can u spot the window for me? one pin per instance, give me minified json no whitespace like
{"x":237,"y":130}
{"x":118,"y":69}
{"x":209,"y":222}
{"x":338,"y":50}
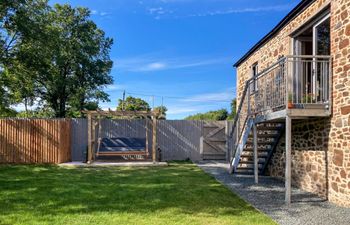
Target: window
{"x":255,"y":72}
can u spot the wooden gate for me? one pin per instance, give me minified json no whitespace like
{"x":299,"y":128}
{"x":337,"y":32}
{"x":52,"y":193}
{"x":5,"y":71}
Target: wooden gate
{"x":214,"y":141}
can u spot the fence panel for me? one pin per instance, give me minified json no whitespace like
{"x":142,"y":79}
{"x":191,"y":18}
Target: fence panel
{"x":177,"y":139}
{"x":35,"y":140}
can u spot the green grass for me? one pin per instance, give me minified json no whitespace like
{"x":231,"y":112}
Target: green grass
{"x":178,"y":194}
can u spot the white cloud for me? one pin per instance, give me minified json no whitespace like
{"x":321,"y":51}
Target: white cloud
{"x":99,"y":13}
{"x":115,"y":87}
{"x":225,"y":96}
{"x":244,"y":10}
{"x":159,"y":11}
{"x":153,"y":66}
{"x":148,"y":63}
{"x":163,"y":9}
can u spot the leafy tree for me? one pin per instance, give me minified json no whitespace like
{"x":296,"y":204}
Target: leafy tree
{"x":162,"y":110}
{"x":37,"y":113}
{"x":233,"y":109}
{"x":60,"y":57}
{"x":221,"y":114}
{"x":12,"y":21}
{"x":133,"y":104}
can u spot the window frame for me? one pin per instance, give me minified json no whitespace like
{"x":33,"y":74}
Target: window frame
{"x":255,"y":73}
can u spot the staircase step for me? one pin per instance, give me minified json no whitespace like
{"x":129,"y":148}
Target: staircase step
{"x":259,"y":150}
{"x":251,"y":162}
{"x":268,"y":128}
{"x":265,"y":135}
{"x":249,"y":166}
{"x":249,"y":142}
{"x":251,"y":156}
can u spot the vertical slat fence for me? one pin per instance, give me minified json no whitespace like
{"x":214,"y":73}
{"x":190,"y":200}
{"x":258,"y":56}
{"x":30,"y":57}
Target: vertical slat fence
{"x":25,"y":141}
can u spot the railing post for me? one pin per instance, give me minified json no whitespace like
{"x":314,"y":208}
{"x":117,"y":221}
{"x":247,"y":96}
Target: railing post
{"x":248,"y":100}
{"x":288,"y":159}
{"x":255,"y":141}
{"x":330,"y":86}
{"x":286,"y":78}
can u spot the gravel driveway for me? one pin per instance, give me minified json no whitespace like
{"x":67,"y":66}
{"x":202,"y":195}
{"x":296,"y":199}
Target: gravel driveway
{"x":268,"y":197}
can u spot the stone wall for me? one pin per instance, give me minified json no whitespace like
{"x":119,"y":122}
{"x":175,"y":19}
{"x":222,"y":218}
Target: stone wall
{"x":310,"y":150}
{"x":321,"y":163}
{"x":339,"y":146}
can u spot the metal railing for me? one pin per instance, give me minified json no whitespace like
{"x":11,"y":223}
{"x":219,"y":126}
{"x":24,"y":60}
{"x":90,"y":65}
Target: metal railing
{"x":291,"y":82}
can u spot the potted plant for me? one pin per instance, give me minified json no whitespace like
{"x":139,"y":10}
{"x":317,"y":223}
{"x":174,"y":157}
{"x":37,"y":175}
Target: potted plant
{"x":290,"y":101}
{"x":307,"y":98}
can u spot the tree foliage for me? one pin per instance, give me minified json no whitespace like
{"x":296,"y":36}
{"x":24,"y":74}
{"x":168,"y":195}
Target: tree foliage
{"x":162,"y":110}
{"x":233,"y":113}
{"x":220,"y":114}
{"x":133,"y":104}
{"x":59,"y":57}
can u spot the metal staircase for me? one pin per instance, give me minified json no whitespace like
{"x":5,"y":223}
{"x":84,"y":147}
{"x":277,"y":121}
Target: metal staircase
{"x":269,"y":135}
{"x":279,"y":92}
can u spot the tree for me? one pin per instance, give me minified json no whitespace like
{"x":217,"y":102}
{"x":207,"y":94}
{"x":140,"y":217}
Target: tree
{"x":162,"y":110}
{"x":15,"y":23}
{"x":233,"y":109}
{"x":133,"y":104}
{"x":63,"y":59}
{"x":79,"y":63}
{"x":220,"y":114}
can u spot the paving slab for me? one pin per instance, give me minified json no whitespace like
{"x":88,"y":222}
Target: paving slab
{"x":268,"y":196}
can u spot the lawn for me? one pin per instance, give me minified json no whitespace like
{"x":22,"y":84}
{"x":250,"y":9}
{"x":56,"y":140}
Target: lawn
{"x":180,"y":193}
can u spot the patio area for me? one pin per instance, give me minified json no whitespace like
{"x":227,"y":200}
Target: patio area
{"x":268,"y":197}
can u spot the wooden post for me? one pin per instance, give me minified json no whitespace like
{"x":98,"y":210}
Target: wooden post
{"x":256,"y":165}
{"x":288,"y":159}
{"x":227,"y":146}
{"x":89,"y":152}
{"x":147,"y":148}
{"x":201,"y":150}
{"x":154,"y":140}
{"x":93,"y":138}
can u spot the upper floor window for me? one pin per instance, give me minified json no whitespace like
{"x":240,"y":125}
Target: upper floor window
{"x":255,"y":72}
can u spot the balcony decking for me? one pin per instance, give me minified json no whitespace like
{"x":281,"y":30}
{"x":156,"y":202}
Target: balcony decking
{"x":296,"y":113}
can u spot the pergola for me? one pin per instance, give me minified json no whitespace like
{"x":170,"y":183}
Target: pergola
{"x":95,"y":116}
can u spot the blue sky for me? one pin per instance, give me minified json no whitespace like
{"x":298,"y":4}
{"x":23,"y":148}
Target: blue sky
{"x":182,"y":50}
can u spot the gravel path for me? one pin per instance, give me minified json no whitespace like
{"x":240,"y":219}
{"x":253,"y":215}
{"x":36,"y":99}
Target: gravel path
{"x":268,"y":197}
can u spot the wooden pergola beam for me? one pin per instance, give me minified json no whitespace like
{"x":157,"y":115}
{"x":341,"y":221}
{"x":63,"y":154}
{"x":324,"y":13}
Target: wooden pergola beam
{"x":121,"y":113}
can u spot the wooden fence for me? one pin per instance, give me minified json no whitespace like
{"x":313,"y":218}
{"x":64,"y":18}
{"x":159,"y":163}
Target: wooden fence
{"x":62,"y":140}
{"x":35,"y":140}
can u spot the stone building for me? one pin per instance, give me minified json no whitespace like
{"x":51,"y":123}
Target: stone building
{"x":293,"y":88}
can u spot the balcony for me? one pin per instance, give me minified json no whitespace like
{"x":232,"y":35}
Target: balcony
{"x":298,"y":86}
{"x":295,"y":87}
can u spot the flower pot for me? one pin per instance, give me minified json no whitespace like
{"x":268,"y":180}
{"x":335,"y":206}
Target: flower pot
{"x":290,"y":105}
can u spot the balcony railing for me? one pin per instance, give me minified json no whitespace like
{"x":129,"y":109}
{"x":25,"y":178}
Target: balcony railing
{"x":293,"y":82}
